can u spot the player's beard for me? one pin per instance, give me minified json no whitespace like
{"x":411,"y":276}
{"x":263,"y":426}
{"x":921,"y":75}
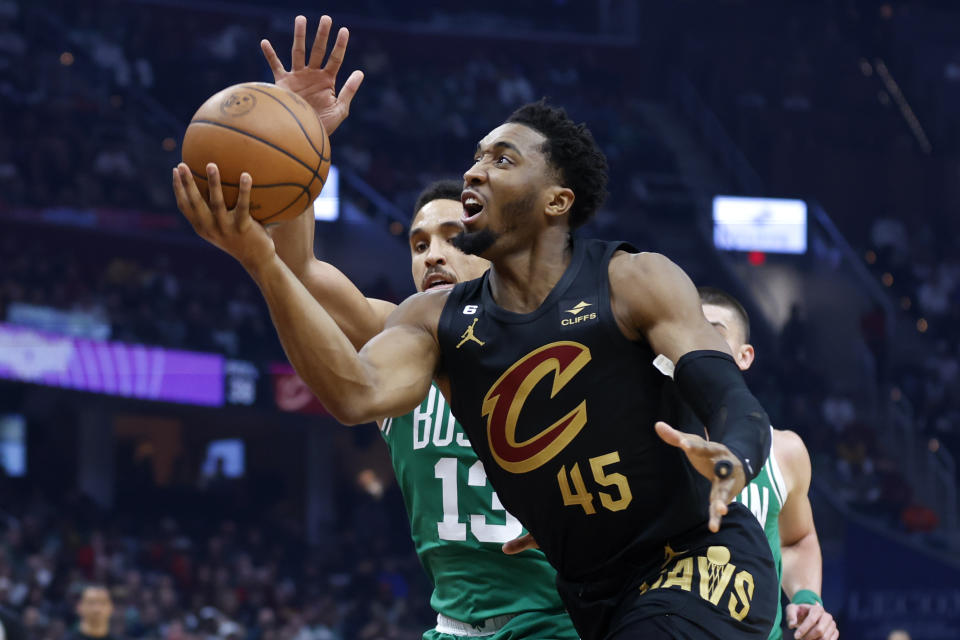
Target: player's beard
{"x":475,"y":243}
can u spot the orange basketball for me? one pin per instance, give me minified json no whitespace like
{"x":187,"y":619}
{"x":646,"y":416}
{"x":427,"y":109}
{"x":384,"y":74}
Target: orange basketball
{"x":270,"y":133}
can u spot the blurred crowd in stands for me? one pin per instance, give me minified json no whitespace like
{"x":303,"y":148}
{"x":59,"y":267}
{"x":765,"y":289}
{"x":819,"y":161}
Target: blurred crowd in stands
{"x":142,"y":296}
{"x":183,"y":576}
{"x":111,"y":109}
{"x":93,"y":104}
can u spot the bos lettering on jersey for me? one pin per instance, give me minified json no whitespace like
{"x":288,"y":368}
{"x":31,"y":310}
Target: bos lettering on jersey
{"x":503,"y":405}
{"x":439,"y":432}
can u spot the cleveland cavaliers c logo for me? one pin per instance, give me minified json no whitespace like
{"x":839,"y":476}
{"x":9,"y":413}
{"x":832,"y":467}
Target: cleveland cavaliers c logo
{"x":506,"y":398}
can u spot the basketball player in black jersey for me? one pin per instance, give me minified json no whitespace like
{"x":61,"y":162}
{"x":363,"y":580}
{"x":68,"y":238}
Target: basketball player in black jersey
{"x":549,"y":364}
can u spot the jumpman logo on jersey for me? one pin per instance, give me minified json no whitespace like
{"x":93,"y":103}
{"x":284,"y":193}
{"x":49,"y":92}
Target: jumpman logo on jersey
{"x":467,"y":335}
{"x":669,"y":554}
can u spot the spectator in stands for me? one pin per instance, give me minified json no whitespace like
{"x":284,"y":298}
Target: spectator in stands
{"x":94,"y":609}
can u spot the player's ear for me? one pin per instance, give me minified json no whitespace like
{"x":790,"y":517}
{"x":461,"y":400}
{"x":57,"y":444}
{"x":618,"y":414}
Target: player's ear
{"x":745,"y":356}
{"x":561,"y":200}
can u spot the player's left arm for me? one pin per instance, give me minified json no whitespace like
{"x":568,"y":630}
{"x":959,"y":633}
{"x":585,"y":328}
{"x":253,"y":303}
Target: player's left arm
{"x":654,"y":299}
{"x":799,"y":545}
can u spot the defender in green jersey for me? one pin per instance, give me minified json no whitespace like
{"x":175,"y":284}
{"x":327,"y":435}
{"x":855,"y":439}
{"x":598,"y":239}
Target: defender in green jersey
{"x":459,"y":527}
{"x":778,"y":495}
{"x":457,"y":521}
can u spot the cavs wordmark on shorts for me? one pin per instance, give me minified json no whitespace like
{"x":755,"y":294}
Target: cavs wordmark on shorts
{"x":711,"y":576}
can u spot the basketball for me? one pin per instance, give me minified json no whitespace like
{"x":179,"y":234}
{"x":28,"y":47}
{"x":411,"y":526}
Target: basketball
{"x":270,"y":133}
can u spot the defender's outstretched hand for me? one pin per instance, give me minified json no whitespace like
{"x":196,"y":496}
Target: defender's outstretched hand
{"x":233,"y":230}
{"x":315,"y":82}
{"x":705,"y":456}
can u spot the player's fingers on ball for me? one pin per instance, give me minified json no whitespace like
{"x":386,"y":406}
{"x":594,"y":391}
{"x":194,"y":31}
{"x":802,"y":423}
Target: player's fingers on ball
{"x":298,"y":52}
{"x":194,"y":196}
{"x":218,"y":208}
{"x":242,"y":210}
{"x":215,"y":189}
{"x":319,"y":49}
{"x":183,"y":202}
{"x":273,"y":60}
{"x":339,"y":51}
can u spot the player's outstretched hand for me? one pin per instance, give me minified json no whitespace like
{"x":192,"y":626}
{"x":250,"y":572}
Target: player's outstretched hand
{"x":522,"y":543}
{"x":315,"y":82}
{"x":233,"y":230}
{"x":704,"y":456}
{"x":811,"y":622}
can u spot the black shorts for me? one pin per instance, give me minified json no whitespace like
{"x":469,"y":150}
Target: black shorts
{"x":701,"y":585}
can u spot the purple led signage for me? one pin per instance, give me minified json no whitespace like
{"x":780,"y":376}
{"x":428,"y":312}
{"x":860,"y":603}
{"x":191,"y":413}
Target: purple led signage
{"x":113,"y":368}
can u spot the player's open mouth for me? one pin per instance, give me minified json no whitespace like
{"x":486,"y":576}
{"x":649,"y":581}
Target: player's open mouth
{"x":438,"y":281}
{"x":472,"y":206}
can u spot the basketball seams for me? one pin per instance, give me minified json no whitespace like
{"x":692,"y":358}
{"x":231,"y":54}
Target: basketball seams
{"x":253,"y":136}
{"x":321,"y":159}
{"x":279,"y":137}
{"x":305,"y":193}
{"x":236,"y":185}
{"x":299,"y":124}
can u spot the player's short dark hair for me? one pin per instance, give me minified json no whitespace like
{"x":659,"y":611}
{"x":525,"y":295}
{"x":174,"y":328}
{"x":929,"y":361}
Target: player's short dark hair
{"x":439,"y":190}
{"x":720,"y":298}
{"x":571,"y":150}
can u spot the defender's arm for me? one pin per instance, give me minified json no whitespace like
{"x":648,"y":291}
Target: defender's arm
{"x":799,"y":545}
{"x":390,"y":375}
{"x":359,"y":317}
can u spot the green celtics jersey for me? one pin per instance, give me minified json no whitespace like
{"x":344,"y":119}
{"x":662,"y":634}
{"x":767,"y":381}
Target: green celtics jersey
{"x":764,"y":497}
{"x":458,"y":523}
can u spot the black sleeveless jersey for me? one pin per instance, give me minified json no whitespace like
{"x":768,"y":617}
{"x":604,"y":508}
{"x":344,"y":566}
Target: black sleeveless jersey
{"x":560,"y":406}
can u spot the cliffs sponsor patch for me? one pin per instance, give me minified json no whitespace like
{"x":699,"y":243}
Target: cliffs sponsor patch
{"x":578,"y":311}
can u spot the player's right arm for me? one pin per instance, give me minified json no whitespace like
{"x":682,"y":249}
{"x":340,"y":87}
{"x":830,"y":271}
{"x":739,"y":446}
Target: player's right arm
{"x":392,"y":373}
{"x":359,"y":317}
{"x":653,"y":299}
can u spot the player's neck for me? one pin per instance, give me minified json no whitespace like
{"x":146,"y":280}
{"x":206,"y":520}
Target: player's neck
{"x":522,"y":280}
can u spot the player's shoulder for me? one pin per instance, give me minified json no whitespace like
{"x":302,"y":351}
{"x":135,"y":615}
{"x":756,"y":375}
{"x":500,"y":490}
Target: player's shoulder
{"x":648,"y":286}
{"x":646,"y":270}
{"x":788,"y":443}
{"x":641,"y":261}
{"x":420,"y":309}
{"x":791,"y":454}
